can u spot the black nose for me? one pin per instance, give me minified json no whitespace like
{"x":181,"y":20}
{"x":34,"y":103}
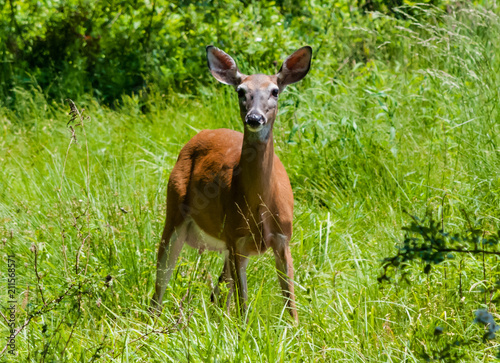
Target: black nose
{"x":254,"y":120}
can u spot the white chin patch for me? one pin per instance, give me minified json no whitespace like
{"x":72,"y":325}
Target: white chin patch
{"x":253,"y":129}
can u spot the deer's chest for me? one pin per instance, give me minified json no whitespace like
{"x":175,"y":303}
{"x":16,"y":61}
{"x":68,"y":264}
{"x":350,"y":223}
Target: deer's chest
{"x":245,"y":236}
{"x":197,"y":238}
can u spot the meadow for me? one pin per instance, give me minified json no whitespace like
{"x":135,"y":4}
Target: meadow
{"x":398,"y":118}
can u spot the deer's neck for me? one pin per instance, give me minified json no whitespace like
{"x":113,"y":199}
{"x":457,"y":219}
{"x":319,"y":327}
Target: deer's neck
{"x":256,"y":165}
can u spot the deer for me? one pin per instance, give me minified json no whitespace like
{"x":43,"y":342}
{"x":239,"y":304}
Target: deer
{"x":229,"y":191}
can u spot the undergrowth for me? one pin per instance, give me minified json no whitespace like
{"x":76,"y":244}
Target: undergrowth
{"x":412,"y":131}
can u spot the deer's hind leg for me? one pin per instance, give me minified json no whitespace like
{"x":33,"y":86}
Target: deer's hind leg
{"x":175,"y":231}
{"x":170,"y":247}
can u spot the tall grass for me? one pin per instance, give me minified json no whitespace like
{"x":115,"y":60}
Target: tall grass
{"x":417,"y":131}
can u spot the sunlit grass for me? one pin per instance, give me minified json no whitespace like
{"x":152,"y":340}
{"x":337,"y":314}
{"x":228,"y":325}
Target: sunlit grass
{"x":361,"y":147}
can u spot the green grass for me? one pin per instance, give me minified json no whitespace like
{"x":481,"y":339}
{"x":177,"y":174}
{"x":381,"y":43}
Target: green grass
{"x":362,"y":145}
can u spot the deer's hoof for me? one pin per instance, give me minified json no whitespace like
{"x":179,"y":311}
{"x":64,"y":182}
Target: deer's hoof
{"x":154,"y":308}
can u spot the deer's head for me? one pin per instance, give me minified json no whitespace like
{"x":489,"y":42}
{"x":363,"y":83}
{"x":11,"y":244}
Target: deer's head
{"x":258,"y":93}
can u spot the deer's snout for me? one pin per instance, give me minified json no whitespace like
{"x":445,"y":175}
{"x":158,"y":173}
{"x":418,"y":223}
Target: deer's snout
{"x":255,"y":120}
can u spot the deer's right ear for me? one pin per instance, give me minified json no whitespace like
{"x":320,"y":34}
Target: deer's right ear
{"x":223,"y":67}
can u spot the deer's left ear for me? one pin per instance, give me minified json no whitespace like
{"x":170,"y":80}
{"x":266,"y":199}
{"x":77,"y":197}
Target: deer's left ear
{"x":295,"y":67}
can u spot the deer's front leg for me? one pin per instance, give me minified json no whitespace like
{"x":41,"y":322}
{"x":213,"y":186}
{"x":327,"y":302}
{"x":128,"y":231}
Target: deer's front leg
{"x":284,"y":267}
{"x":238,"y":266}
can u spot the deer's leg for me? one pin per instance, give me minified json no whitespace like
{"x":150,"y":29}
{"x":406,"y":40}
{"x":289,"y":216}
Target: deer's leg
{"x":225,"y":277}
{"x":238,"y":267}
{"x":284,"y":267}
{"x":170,"y":247}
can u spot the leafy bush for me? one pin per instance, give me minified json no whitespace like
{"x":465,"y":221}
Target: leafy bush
{"x":110,"y":48}
{"x":432,"y":245}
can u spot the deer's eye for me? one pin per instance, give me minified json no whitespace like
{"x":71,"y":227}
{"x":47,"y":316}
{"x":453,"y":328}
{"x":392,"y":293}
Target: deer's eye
{"x":274,"y":92}
{"x":241,"y":93}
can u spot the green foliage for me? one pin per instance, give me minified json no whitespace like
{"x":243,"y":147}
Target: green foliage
{"x":432,"y":245}
{"x":116,"y":47}
{"x":398,"y":8}
{"x":110,"y":48}
{"x":399,"y":113}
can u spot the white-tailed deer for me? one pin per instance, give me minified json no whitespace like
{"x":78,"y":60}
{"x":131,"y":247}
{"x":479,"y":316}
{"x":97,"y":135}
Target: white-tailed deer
{"x":229,"y":191}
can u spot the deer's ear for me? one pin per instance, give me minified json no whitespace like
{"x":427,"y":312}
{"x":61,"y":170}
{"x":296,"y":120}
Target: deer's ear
{"x":223,"y":67}
{"x":295,"y":67}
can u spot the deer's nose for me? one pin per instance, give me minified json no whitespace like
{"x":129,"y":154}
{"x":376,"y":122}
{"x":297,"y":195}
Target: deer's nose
{"x":254,"y":120}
